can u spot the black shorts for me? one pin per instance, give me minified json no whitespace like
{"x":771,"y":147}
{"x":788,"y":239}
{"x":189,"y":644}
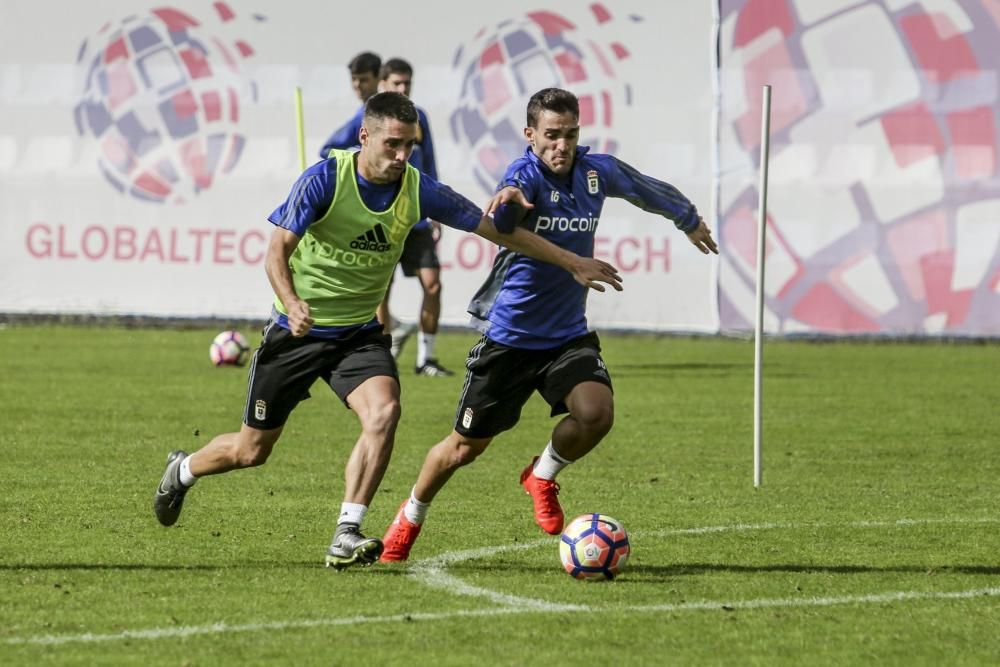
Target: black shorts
{"x":500,"y":381}
{"x":419,"y":251}
{"x":284,"y":368}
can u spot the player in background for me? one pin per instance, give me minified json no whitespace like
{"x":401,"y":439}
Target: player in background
{"x":533,"y":317}
{"x":364,"y":69}
{"x":336,"y":242}
{"x":420,"y":252}
{"x":420,"y":256}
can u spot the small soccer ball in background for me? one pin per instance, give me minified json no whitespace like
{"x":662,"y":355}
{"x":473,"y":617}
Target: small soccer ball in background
{"x":229,"y":348}
{"x":594,"y":546}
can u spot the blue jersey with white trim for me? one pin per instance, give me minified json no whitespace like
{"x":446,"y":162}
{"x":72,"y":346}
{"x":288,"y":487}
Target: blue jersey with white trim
{"x":529,"y":304}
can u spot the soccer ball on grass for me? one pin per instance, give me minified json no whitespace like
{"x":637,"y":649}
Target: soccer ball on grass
{"x":594,"y":547}
{"x":229,"y":348}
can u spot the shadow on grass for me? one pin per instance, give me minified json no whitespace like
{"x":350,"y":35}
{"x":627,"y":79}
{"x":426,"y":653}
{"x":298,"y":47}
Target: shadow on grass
{"x":686,"y":569}
{"x":193,"y":567}
{"x":636,"y":572}
{"x":703,"y":368}
{"x":684,"y":366}
{"x":646,"y":573}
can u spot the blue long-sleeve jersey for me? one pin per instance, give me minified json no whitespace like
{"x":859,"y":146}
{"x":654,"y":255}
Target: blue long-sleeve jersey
{"x":344,"y":137}
{"x":529,"y":304}
{"x":422,"y":157}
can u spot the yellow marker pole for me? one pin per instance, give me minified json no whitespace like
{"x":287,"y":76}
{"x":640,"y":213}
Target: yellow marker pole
{"x":300,"y":128}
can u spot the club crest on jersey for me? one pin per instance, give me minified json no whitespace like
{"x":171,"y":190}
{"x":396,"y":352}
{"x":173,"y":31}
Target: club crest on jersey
{"x":592,"y":183}
{"x":554,"y":197}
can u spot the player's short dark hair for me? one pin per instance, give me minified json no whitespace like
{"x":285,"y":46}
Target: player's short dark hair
{"x":552,"y":99}
{"x":365,"y":62}
{"x":382,"y":106}
{"x":395,"y":66}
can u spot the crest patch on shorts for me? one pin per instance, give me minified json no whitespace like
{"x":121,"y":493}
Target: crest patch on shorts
{"x":260,"y":410}
{"x":467,"y":418}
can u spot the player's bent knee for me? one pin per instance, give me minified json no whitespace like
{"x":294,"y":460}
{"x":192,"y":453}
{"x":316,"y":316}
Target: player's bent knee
{"x":467,"y":450}
{"x":252,"y":447}
{"x":382,"y":417}
{"x":463,"y":456}
{"x":254,"y":454}
{"x":597,"y":420}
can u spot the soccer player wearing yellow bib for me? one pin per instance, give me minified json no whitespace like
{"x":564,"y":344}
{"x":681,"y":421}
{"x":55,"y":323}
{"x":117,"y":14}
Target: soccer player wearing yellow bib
{"x":336,"y":241}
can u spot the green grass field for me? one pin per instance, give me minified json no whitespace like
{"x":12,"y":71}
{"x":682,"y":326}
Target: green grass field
{"x":875,"y":538}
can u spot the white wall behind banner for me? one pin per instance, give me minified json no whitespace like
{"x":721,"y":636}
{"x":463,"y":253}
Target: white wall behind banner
{"x":142,"y":145}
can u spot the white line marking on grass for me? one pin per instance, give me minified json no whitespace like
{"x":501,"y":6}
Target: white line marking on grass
{"x":432,"y":572}
{"x":226,"y":628}
{"x":743,"y":527}
{"x":706,"y":605}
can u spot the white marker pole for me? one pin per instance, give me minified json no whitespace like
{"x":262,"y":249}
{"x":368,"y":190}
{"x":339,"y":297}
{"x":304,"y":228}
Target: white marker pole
{"x":765,"y":145}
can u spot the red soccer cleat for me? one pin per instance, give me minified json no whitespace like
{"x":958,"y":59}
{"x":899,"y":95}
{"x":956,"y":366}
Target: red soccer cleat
{"x":544,"y":494}
{"x":399,"y":538}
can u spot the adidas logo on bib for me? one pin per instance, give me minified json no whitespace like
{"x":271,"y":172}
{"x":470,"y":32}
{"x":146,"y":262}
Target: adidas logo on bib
{"x":374,"y":240}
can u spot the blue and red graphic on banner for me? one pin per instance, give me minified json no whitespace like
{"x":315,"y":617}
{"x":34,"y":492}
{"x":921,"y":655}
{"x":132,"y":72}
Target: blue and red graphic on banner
{"x":162,"y":93}
{"x":884,"y":211}
{"x":506,"y":64}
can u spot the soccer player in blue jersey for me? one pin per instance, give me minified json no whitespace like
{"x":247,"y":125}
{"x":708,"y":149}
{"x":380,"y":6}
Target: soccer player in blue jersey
{"x":535,"y":334}
{"x":420,"y":256}
{"x":337,"y":239}
{"x":364,"y":69}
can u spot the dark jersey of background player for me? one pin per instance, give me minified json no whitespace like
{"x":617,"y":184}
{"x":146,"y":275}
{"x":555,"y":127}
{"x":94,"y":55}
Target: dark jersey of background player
{"x":528,"y":304}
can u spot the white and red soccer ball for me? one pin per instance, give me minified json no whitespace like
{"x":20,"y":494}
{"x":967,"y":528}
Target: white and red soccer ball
{"x":229,"y":348}
{"x":594,"y":546}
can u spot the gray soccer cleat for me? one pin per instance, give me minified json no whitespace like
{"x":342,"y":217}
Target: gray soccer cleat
{"x":350,"y":547}
{"x":169,"y":496}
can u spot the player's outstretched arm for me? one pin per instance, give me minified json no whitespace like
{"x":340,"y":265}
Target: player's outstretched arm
{"x":279,"y":251}
{"x":585,"y":270}
{"x":507,"y":196}
{"x":702,"y":239}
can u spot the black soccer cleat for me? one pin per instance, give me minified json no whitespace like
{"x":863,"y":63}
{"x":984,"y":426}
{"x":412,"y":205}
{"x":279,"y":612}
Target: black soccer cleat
{"x":169,"y":496}
{"x":432,"y":368}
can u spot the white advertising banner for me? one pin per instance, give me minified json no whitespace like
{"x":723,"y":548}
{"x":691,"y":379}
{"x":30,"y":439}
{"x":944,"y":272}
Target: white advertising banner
{"x":884,"y":190}
{"x":143,"y":145}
